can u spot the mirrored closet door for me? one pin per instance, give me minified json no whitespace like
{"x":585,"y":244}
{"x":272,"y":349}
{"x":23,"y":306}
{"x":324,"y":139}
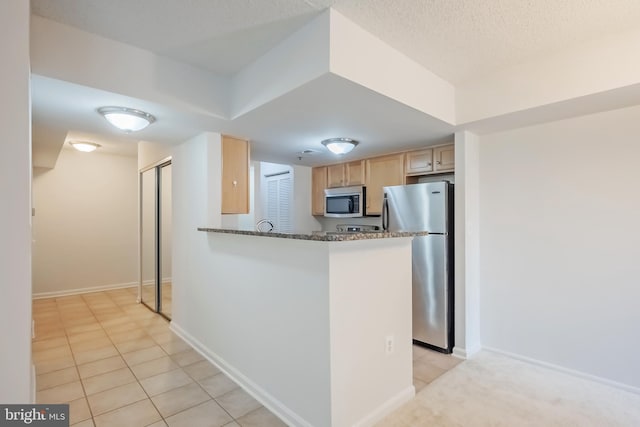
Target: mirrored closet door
{"x":155,"y":238}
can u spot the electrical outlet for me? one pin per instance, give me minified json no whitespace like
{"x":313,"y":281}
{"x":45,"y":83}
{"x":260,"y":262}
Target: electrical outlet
{"x":389,"y":344}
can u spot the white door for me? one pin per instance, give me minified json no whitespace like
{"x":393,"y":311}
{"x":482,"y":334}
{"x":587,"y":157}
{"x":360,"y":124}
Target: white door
{"x":279,"y":201}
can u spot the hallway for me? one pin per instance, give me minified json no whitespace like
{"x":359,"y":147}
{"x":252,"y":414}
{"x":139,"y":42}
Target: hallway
{"x":118,"y":364}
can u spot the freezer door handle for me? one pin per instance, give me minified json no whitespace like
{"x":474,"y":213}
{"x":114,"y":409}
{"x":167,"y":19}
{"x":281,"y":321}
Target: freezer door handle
{"x":385,"y":213}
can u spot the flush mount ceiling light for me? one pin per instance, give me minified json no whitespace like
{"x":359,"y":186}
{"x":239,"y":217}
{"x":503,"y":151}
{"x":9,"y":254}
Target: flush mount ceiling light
{"x":339,"y":145}
{"x":84,"y":146}
{"x":127,"y":119}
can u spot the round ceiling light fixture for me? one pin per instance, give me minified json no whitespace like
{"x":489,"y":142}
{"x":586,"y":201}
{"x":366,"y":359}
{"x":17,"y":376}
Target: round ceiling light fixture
{"x":339,"y":145}
{"x":84,"y":146}
{"x":127,"y":119}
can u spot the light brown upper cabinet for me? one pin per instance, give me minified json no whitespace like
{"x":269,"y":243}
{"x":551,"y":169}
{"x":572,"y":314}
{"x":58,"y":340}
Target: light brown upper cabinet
{"x":444,"y":158}
{"x":318,"y":184}
{"x":419,"y":162}
{"x":336,"y":176}
{"x":355,"y":173}
{"x":380,"y":172}
{"x":431,"y":160}
{"x":345,"y":174}
{"x":235,"y":175}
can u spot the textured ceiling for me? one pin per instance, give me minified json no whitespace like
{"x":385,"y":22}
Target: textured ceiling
{"x":460,"y":39}
{"x":456,"y":39}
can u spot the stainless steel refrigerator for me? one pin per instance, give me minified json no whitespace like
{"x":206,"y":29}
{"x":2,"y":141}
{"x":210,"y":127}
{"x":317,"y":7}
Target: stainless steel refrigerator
{"x":427,"y":207}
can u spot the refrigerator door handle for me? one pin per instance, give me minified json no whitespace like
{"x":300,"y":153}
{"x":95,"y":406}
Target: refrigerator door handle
{"x":385,"y":213}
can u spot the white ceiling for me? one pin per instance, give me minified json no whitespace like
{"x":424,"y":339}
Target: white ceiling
{"x":219,"y":35}
{"x":281,"y":129}
{"x":457,"y":40}
{"x":461,"y":39}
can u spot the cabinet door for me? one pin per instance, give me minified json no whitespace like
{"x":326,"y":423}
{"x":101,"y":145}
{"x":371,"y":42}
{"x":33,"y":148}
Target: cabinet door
{"x":235,"y":175}
{"x":419,"y":162}
{"x":318,"y":184}
{"x":335,"y":176}
{"x":381,"y":172}
{"x":355,"y":173}
{"x":444,"y":158}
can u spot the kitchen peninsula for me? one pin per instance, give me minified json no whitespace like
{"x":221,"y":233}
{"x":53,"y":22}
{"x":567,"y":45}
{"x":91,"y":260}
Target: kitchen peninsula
{"x":316,"y":326}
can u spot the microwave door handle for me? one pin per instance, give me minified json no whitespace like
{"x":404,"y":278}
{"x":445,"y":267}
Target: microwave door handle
{"x":385,"y":213}
{"x":350,"y":205}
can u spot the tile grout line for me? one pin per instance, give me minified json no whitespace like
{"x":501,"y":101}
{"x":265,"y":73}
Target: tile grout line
{"x":66,"y":334}
{"x":93,"y":416}
{"x":128,"y":367}
{"x":138,"y":380}
{"x":86,"y":396}
{"x":197,"y":382}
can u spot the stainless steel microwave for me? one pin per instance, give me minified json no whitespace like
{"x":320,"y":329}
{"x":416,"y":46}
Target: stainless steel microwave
{"x":345,"y":202}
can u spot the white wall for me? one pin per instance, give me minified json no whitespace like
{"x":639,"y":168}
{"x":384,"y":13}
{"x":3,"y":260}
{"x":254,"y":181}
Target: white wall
{"x":67,"y":53}
{"x":466,"y":242}
{"x":303,"y":221}
{"x":298,"y":59}
{"x":217,"y":299}
{"x":383,"y":69}
{"x":197,"y":202}
{"x":86,"y":223}
{"x":559,"y":244}
{"x":15,"y":214}
{"x":150,"y":153}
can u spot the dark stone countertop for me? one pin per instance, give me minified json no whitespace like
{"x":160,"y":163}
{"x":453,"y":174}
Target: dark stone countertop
{"x":320,"y":236}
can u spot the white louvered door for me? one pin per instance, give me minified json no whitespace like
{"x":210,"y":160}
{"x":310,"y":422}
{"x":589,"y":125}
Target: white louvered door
{"x":279,"y":192}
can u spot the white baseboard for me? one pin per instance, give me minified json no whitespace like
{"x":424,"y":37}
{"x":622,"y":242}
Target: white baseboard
{"x":276,"y":406}
{"x":388,"y":407}
{"x":67,"y":292}
{"x":464,"y":353}
{"x":564,"y":370}
{"x":153,"y":282}
{"x":267,"y":400}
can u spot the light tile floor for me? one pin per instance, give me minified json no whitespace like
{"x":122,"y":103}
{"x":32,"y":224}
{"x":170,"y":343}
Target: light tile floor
{"x":117,"y":364}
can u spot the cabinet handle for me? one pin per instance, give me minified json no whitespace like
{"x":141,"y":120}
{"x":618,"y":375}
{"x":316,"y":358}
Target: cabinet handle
{"x":235,"y":182}
{"x":428,"y":164}
{"x":438,"y":162}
